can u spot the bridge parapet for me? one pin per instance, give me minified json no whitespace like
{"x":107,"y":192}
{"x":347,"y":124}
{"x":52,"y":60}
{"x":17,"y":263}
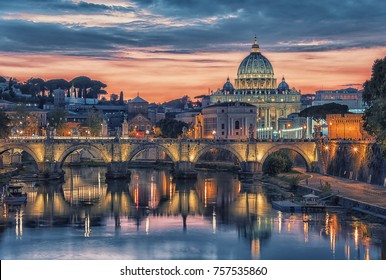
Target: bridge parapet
{"x":51,"y":153}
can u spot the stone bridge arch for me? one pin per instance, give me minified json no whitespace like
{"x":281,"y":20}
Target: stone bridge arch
{"x":228,"y":148}
{"x":38,"y":157}
{"x":78,"y":147}
{"x":295,"y":148}
{"x":142,"y":147}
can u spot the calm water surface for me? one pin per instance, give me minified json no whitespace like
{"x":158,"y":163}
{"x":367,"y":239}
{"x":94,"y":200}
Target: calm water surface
{"x":153,"y":217}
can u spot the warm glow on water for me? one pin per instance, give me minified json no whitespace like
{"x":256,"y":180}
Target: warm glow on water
{"x":154,"y":217}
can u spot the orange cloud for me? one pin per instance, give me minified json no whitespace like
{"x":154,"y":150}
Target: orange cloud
{"x":160,"y":77}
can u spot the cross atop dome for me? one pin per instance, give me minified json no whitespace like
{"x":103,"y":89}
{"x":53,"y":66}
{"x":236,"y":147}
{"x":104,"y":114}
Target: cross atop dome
{"x":255,"y":46}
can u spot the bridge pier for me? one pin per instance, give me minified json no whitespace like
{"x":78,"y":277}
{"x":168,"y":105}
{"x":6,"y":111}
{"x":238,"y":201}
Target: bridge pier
{"x":50,"y":171}
{"x":184,"y":170}
{"x":117,"y":170}
{"x":250,"y":168}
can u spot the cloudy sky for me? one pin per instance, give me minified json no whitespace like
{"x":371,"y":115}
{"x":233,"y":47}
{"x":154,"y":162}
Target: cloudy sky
{"x":164,"y":49}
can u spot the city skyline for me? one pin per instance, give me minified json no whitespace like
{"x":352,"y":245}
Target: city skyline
{"x":166,"y":49}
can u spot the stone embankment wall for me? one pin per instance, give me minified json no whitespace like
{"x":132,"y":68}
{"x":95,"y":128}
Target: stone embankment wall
{"x":357,"y":161}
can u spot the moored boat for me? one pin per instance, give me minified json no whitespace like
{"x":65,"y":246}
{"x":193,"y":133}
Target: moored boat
{"x":14,"y":195}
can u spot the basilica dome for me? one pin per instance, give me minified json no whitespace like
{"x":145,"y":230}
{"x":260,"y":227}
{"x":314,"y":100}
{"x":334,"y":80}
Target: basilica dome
{"x":255,"y":73}
{"x":255,"y":63}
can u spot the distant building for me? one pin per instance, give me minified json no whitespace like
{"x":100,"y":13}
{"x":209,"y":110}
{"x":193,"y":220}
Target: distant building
{"x":59,"y":97}
{"x":156,"y":113}
{"x":346,"y":126}
{"x":139,"y":126}
{"x":228,"y":120}
{"x":307,"y":100}
{"x":188,"y":116}
{"x":38,"y":121}
{"x":137,"y":105}
{"x":348,"y":96}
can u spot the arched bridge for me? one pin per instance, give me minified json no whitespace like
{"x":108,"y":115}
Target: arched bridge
{"x":50,"y":153}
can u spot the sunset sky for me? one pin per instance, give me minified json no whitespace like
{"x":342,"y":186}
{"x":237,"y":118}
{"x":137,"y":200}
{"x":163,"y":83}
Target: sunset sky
{"x":165,"y":49}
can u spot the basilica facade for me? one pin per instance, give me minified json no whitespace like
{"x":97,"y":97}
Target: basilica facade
{"x":256,"y":84}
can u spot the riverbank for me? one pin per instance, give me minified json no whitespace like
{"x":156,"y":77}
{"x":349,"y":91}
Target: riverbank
{"x":352,"y":195}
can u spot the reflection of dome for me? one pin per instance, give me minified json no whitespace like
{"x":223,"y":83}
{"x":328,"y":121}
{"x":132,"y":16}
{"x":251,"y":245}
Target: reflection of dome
{"x":228,"y":87}
{"x":255,"y":63}
{"x":283,"y":86}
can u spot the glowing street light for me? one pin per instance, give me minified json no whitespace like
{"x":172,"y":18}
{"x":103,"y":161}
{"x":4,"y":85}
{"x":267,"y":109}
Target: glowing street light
{"x":214,"y":134}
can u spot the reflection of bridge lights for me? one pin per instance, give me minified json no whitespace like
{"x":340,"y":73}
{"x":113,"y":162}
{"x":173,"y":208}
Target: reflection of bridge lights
{"x":87,"y":228}
{"x":356,"y":238}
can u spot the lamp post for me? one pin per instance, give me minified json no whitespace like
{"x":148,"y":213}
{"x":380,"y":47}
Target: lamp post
{"x":214,"y":134}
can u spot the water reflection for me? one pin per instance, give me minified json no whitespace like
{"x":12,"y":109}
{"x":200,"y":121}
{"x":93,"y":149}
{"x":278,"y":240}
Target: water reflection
{"x":155,"y":217}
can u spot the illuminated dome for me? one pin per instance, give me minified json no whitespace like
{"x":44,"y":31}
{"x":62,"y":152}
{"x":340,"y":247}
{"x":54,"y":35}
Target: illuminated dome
{"x":255,"y":63}
{"x":283,"y":86}
{"x":255,"y":73}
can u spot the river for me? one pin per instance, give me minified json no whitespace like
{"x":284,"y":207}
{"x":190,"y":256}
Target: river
{"x":151,"y":216}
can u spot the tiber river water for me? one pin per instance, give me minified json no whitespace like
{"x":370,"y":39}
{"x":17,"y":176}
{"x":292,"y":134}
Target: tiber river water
{"x":153,"y":217}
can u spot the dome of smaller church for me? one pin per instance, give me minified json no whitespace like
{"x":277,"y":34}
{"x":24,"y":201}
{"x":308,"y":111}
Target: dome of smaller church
{"x":283,"y":86}
{"x":228,"y":87}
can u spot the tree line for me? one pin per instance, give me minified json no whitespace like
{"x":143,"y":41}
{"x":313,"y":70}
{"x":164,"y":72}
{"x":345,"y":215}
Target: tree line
{"x":40,"y":91}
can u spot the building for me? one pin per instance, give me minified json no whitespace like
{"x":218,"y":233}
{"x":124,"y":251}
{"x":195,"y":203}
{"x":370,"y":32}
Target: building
{"x":256,"y":84}
{"x":137,"y":105}
{"x":188,"y":116}
{"x":28,"y":121}
{"x":227,"y":120}
{"x":346,"y":126}
{"x":59,"y":97}
{"x":139,"y":126}
{"x":348,"y":96}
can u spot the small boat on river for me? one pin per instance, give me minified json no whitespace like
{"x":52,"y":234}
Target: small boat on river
{"x":13,"y":194}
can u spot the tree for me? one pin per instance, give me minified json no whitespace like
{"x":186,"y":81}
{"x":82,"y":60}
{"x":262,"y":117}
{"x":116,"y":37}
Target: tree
{"x":277,"y":162}
{"x":121,"y":101}
{"x":319,"y":112}
{"x":88,"y":88}
{"x":170,"y":128}
{"x":53,"y":84}
{"x":57,"y":118}
{"x":81,"y":83}
{"x":93,"y":122}
{"x":36,"y":86}
{"x":374,"y":94}
{"x":179,"y":103}
{"x":4,"y":125}
{"x":2,"y":80}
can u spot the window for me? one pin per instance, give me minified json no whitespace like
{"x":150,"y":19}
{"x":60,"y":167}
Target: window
{"x":237,"y":125}
{"x":222,"y":111}
{"x":222,"y":133}
{"x":222,"y":126}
